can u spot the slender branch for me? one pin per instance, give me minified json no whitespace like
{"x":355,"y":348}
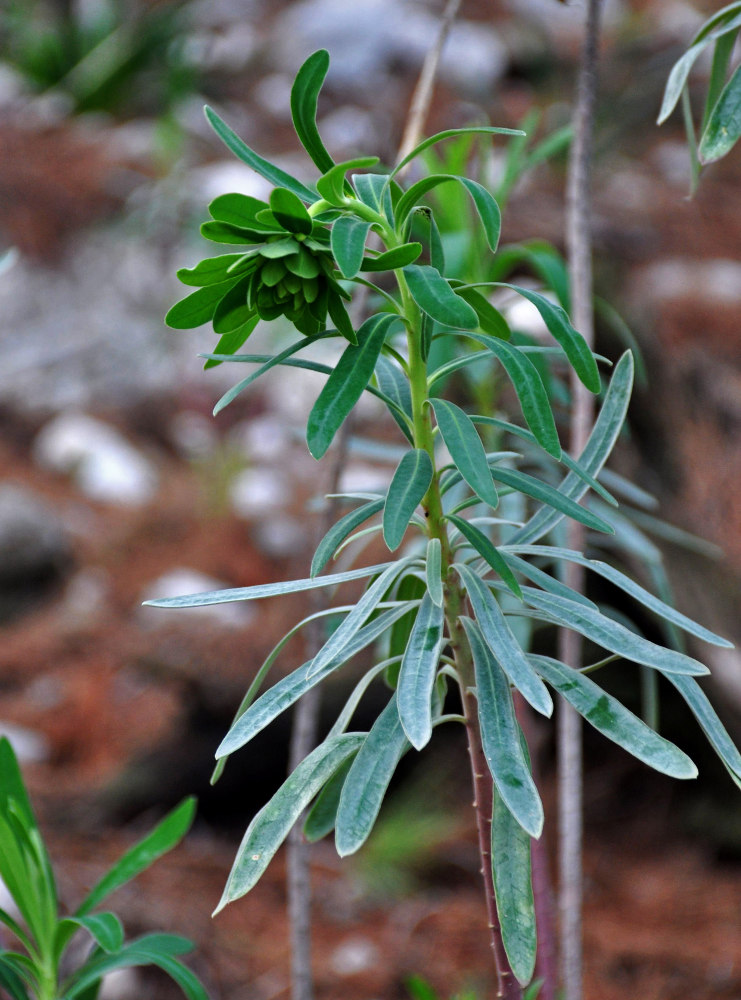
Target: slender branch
{"x":578,"y":239}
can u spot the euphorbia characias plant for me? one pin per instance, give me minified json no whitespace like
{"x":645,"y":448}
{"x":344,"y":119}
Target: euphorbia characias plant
{"x":444,"y":611}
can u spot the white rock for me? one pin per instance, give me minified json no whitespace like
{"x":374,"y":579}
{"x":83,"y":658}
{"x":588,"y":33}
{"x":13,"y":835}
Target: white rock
{"x":225,"y":176}
{"x":193,"y":434}
{"x":30,"y":747}
{"x":181,"y":581}
{"x":102,"y":462}
{"x":281,"y":536}
{"x":122,"y":984}
{"x":523,"y":316}
{"x":258,"y":491}
{"x":262,"y":439}
{"x":359,"y":477}
{"x":353,"y":956}
{"x":711,"y":281}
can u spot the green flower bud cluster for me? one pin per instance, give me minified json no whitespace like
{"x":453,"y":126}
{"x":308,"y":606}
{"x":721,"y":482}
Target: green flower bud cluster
{"x":288,"y":271}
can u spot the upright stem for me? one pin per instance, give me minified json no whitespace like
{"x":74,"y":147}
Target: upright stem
{"x":578,"y":238}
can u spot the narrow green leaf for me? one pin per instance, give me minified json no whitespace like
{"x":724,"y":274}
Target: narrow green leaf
{"x":10,"y":980}
{"x":465,"y":447}
{"x":488,"y":551}
{"x":224,"y":232}
{"x":677,"y":79}
{"x":577,"y":351}
{"x":410,"y":589}
{"x":233,"y":310}
{"x":232,"y":341}
{"x":341,"y":319}
{"x":601,"y":441}
{"x":528,"y":385}
{"x":513,"y":889}
{"x":711,"y":725}
{"x":400,"y":256}
{"x":544,"y":580}
{"x":288,"y":690}
{"x":271,"y":825}
{"x":323,"y":814}
{"x":168,"y":832}
{"x":290,"y":211}
{"x":348,"y":243}
{"x":500,"y":736}
{"x":644,"y":597}
{"x":332,"y":185}
{"x":304,"y":96}
{"x":611,"y":635}
{"x":339,"y":532}
{"x":237,"y":210}
{"x":447,"y":134}
{"x":395,"y":388}
{"x":724,"y":124}
{"x":613,"y":719}
{"x":368,"y":779}
{"x":547,"y":494}
{"x":502,"y":642}
{"x":722,"y":53}
{"x":263,"y":167}
{"x":355,"y":620}
{"x":152,"y":949}
{"x":212,"y":270}
{"x":407,"y":489}
{"x":105,"y":928}
{"x":418,"y":672}
{"x":436,"y":298}
{"x":346,"y":384}
{"x":263,"y":589}
{"x":374,"y":190}
{"x":433,"y":571}
{"x":484,"y":202}
{"x":491,"y":320}
{"x":198,"y":307}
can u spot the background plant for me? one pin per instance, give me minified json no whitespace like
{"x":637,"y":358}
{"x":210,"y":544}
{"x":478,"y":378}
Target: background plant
{"x":46,"y":968}
{"x":451,"y":616}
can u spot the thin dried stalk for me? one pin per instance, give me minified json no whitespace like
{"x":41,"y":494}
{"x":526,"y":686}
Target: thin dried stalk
{"x":579,"y":248}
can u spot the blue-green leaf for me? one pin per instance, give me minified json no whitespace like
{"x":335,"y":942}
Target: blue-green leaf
{"x":418,"y":671}
{"x":368,"y":779}
{"x":500,"y":736}
{"x":447,"y":134}
{"x":400,"y":256}
{"x":577,"y":351}
{"x":332,"y":185}
{"x":212,"y":270}
{"x":433,"y":571}
{"x":348,"y":243}
{"x":339,"y":532}
{"x":263,"y":167}
{"x":488,"y":551}
{"x":724,"y":124}
{"x":230,"y":342}
{"x":485,"y":203}
{"x":304,"y":96}
{"x":547,"y":494}
{"x":611,"y":635}
{"x":198,"y":307}
{"x":290,"y":211}
{"x":613,"y":719}
{"x":271,"y":825}
{"x":436,"y":298}
{"x":502,"y":642}
{"x":465,"y":447}
{"x":709,"y":721}
{"x":323,"y":814}
{"x":407,"y":489}
{"x":105,"y":928}
{"x":513,"y":889}
{"x":346,"y":383}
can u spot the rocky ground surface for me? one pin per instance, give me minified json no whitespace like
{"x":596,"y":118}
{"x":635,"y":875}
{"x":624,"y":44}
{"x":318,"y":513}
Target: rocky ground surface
{"x":116,"y":484}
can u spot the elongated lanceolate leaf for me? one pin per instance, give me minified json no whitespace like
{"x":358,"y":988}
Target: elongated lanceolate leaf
{"x":547,"y":494}
{"x":339,"y":532}
{"x":332,"y":185}
{"x":501,"y":641}
{"x":348,"y":243}
{"x":434,"y":296}
{"x":613,"y":719}
{"x":10,"y":980}
{"x":528,"y":385}
{"x":433,"y":571}
{"x":198,"y":307}
{"x":238,"y":210}
{"x":500,"y":736}
{"x":465,"y":447}
{"x":232,"y":341}
{"x":643,"y":596}
{"x":611,"y":635}
{"x":212,"y":270}
{"x":544,"y":580}
{"x":290,"y":211}
{"x":418,"y":672}
{"x":394,"y":386}
{"x":367,"y":780}
{"x":323,"y":813}
{"x":105,"y":928}
{"x":724,"y":124}
{"x":263,"y":589}
{"x":263,"y":167}
{"x":304,"y":96}
{"x":711,"y":725}
{"x":601,"y":441}
{"x":359,"y":615}
{"x":345,"y":385}
{"x":288,"y":690}
{"x":407,"y":253}
{"x":488,"y":551}
{"x":271,"y":825}
{"x":485,"y":203}
{"x":447,"y":134}
{"x":513,"y":888}
{"x":406,"y":491}
{"x":168,"y":832}
{"x":577,"y":351}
